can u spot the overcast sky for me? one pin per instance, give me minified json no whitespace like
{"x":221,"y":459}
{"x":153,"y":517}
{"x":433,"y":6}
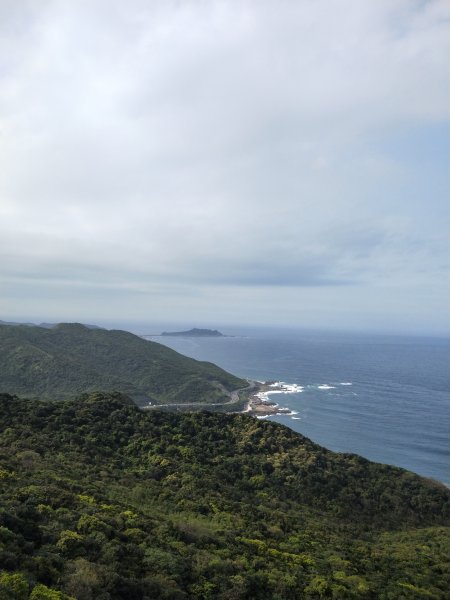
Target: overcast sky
{"x":210,"y":162}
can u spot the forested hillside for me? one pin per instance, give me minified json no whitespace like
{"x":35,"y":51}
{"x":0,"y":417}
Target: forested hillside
{"x":71,"y":358}
{"x":103,"y":501}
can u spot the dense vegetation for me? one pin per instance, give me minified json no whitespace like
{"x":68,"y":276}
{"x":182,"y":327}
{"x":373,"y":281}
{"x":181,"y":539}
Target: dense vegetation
{"x":102,"y":501}
{"x":69,"y":359}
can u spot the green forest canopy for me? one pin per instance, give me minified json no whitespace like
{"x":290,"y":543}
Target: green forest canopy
{"x":70,"y":359}
{"x":100,"y":500}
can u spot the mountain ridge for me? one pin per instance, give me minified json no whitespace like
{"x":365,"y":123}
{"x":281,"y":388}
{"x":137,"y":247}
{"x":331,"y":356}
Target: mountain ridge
{"x":72,"y":358}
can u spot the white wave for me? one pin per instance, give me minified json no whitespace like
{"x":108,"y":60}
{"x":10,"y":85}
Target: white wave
{"x":346,"y":383}
{"x":325,"y":386}
{"x":296,"y":418}
{"x":262,"y":416}
{"x":285,"y":388}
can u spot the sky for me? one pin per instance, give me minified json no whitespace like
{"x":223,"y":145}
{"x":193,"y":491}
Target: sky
{"x":206,"y":162}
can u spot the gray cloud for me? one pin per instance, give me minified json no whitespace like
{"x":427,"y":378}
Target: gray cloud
{"x":157,"y":146}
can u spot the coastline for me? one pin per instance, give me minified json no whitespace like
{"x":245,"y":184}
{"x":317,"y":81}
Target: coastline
{"x":259,"y":404}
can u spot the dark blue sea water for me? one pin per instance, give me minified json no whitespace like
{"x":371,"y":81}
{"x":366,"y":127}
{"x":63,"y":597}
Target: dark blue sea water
{"x":395,"y":411}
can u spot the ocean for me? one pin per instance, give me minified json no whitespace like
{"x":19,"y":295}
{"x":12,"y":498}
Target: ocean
{"x":383,"y":397}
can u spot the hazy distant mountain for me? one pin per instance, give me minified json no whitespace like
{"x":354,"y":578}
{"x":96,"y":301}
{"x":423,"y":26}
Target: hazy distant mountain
{"x":51,"y":325}
{"x":195,"y":333}
{"x":14,"y":323}
{"x":44,"y":325}
{"x":72,"y":358}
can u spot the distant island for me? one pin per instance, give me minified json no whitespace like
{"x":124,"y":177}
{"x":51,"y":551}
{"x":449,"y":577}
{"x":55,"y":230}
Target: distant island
{"x":195,"y":333}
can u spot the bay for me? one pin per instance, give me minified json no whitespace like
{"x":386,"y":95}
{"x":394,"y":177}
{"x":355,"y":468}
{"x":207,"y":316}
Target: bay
{"x":383,"y":397}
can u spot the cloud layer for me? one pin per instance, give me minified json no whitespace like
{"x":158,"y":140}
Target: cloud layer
{"x":166,"y":152}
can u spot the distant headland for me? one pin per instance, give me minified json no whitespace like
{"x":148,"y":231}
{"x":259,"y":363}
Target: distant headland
{"x":194,"y":333}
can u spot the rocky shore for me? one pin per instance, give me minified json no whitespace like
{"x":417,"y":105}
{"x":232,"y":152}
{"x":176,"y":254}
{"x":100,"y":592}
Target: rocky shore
{"x":259,"y":404}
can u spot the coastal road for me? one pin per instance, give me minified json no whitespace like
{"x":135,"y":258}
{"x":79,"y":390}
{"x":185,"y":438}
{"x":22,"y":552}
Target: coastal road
{"x":234,"y":398}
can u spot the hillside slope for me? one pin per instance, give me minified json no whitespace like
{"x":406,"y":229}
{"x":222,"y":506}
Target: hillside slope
{"x":72,"y":358}
{"x":106,"y":502}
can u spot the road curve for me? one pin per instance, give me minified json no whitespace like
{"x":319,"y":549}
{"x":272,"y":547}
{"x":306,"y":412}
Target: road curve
{"x":234,"y":398}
